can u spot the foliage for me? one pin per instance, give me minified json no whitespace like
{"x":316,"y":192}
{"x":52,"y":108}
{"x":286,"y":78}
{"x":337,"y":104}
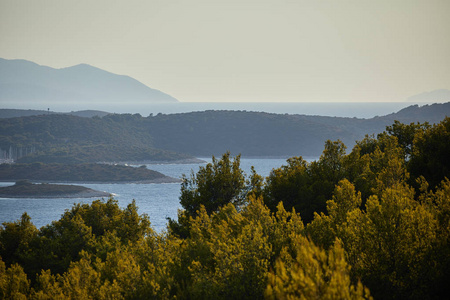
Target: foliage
{"x":215,"y":185}
{"x":218,"y":183}
{"x":430,"y":153}
{"x":56,"y":245}
{"x":405,"y":134}
{"x":13,"y":282}
{"x":392,"y":244}
{"x":16,"y":241}
{"x":314,"y":273}
{"x":306,"y":186}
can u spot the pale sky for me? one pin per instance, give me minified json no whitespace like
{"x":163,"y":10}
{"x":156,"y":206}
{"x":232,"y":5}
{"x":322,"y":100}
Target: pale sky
{"x":246,"y":50}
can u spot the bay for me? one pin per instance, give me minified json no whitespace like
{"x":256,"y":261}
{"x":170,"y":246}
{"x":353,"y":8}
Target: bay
{"x":158,"y":201}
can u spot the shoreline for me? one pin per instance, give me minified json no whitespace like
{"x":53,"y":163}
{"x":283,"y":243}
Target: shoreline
{"x":161,"y":180}
{"x":185,"y":161}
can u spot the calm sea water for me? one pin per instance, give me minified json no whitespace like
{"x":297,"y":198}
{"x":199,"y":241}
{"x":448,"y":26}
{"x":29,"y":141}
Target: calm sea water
{"x":159,"y":201}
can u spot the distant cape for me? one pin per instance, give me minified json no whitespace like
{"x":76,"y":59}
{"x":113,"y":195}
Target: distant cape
{"x":441,"y":95}
{"x":26,"y":81}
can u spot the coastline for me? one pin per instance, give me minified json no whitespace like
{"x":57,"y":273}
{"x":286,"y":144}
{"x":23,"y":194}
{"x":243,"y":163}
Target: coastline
{"x":185,"y":161}
{"x":165,"y":179}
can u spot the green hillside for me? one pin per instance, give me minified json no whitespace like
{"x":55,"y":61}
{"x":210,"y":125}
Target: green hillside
{"x":127,"y":137}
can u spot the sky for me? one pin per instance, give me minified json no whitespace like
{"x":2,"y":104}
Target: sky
{"x":246,"y":50}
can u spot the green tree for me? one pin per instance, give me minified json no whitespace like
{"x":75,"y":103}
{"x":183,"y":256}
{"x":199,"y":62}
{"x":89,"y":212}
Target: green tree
{"x":396,"y":246}
{"x":215,"y":185}
{"x":306,"y":186}
{"x":290,"y":184}
{"x":13,"y":282}
{"x":405,"y":134}
{"x":17,"y":241}
{"x":325,"y":228}
{"x":313,"y":273}
{"x":430,"y":155}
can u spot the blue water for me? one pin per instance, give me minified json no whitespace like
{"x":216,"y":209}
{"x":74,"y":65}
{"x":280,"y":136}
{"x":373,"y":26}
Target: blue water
{"x":159,"y":201}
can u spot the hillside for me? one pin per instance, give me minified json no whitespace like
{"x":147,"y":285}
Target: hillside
{"x":126,"y":137}
{"x":71,"y":139}
{"x":25,"y":81}
{"x":264,"y":134}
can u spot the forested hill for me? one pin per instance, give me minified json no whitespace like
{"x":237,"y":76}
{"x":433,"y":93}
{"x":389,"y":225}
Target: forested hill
{"x":71,"y":139}
{"x":126,"y":137}
{"x":265,"y":134}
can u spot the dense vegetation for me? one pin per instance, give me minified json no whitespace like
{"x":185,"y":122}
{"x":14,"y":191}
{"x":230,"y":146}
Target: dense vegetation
{"x":371,"y":223}
{"x":76,"y":173}
{"x":126,"y":137}
{"x":71,"y":139}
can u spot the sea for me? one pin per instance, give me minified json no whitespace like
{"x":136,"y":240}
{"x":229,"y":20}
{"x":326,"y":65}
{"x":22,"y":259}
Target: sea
{"x":159,"y":201}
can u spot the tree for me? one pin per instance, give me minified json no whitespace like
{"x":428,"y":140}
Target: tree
{"x":215,"y":185}
{"x":313,"y":273}
{"x":430,"y":155}
{"x":13,"y":282}
{"x":16,"y":242}
{"x":306,"y":186}
{"x":405,"y":134}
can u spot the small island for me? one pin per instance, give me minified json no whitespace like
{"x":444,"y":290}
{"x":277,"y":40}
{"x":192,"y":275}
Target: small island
{"x":81,"y":173}
{"x":26,"y":189}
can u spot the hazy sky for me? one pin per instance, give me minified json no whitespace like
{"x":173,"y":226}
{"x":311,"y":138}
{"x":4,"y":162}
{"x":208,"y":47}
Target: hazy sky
{"x":262,"y":50}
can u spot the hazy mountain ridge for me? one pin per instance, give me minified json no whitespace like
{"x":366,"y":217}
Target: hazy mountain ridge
{"x":440,"y":95}
{"x":22,"y":80}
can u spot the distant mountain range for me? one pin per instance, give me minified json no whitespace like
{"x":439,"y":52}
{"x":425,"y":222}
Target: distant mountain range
{"x":26,"y":81}
{"x":441,"y":95}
